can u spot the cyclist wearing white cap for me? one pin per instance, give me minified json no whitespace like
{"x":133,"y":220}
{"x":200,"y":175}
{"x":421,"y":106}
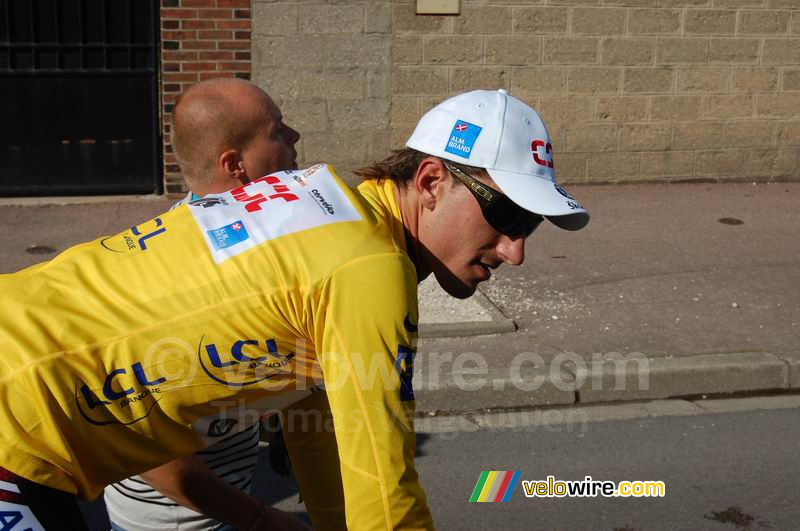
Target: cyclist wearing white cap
{"x":289,"y":280}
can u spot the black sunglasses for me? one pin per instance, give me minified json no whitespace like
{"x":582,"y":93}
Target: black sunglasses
{"x":503,"y":214}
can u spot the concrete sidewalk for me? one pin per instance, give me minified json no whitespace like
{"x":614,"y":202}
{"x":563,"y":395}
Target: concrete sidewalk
{"x":690,"y":289}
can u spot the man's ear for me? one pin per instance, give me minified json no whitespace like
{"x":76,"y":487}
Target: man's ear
{"x":430,"y":181}
{"x":232,"y":166}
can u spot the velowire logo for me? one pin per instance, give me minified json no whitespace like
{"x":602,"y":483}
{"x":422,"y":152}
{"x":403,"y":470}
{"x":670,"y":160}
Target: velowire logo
{"x":494,"y":486}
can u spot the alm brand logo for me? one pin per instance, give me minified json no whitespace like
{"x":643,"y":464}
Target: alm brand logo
{"x":494,"y":486}
{"x":462,"y":139}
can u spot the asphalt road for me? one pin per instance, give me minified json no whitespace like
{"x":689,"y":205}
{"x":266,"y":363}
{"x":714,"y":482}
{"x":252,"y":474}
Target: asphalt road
{"x":721,"y":471}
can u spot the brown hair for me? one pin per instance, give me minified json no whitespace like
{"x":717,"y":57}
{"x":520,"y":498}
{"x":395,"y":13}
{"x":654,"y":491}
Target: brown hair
{"x":401,"y":167}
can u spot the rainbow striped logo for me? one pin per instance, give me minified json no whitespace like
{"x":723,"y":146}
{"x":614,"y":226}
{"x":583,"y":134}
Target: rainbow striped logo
{"x":494,"y":486}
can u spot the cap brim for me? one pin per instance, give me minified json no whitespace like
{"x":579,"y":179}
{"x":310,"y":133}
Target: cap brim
{"x":542,"y":196}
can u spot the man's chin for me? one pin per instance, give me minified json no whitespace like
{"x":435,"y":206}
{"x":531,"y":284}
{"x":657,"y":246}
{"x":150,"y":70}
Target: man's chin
{"x":456,"y":287}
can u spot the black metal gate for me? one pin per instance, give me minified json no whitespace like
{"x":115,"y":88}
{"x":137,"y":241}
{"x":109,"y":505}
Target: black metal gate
{"x":78,"y":97}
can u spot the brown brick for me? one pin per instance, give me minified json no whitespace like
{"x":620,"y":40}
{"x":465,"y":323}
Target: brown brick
{"x":709,"y":21}
{"x":242,"y":56}
{"x":192,"y":24}
{"x":598,"y":21}
{"x":513,"y":50}
{"x":178,"y":35}
{"x":198,"y":3}
{"x":332,"y":18}
{"x":725,"y":106}
{"x":215,"y":56}
{"x":778,"y":105}
{"x":241,"y":35}
{"x":176,"y":77}
{"x":719,"y":163}
{"x":199,"y":67}
{"x":791,"y":79}
{"x":474,"y":20}
{"x":540,"y":20}
{"x":171,"y":24}
{"x":681,"y":50}
{"x":198,"y":45}
{"x":755,"y":79}
{"x":538,"y":80}
{"x":233,"y":3}
{"x":667,"y":164}
{"x":593,"y":79}
{"x":233,"y":45}
{"x":216,"y":34}
{"x":590,"y":138}
{"x":789,"y":133}
{"x":274,"y":19}
{"x":215,"y":13}
{"x":654,"y":21}
{"x":407,"y":49}
{"x":675,"y":108}
{"x":234,"y":66}
{"x":406,"y":20}
{"x":739,"y":134}
{"x":644,"y":137}
{"x":698,"y":135}
{"x":179,"y":56}
{"x":763,"y":22}
{"x":570,"y":50}
{"x":178,"y":13}
{"x":781,"y":52}
{"x":626,"y":51}
{"x":452,"y":50}
{"x":463,"y":79}
{"x":614,"y":167}
{"x":245,"y":24}
{"x":570,"y":167}
{"x":643,"y":79}
{"x":622,"y":109}
{"x":565,"y":109}
{"x":703,"y":79}
{"x":242,"y":13}
{"x":422,"y":81}
{"x":733,"y":50}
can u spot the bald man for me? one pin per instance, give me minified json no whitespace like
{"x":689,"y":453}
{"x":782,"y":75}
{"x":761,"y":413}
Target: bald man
{"x":225,"y":132}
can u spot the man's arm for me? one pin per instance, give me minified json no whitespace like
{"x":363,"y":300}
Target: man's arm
{"x":190,"y":482}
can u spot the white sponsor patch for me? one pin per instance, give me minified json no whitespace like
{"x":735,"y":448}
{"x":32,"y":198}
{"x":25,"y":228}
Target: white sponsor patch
{"x":15,"y":517}
{"x":272,"y":206}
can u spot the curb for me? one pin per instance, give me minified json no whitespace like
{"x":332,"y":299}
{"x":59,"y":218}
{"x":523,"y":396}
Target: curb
{"x":499,"y":324}
{"x":608,"y":381}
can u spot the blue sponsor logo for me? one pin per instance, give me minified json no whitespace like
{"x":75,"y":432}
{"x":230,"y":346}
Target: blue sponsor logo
{"x":245,"y":362}
{"x":228,"y":235}
{"x":462,"y":139}
{"x":404,"y":365}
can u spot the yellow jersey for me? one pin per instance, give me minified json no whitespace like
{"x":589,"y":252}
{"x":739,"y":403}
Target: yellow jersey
{"x":123,"y":353}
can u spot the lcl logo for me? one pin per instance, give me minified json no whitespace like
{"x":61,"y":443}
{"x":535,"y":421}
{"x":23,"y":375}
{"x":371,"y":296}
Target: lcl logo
{"x":547,"y":161}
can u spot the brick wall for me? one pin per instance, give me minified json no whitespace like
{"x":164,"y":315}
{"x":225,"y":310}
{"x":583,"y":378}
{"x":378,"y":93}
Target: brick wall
{"x":631,"y":89}
{"x":200,"y":39}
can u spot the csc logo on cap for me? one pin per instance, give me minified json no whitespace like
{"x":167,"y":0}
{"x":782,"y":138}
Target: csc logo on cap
{"x":547,"y":161}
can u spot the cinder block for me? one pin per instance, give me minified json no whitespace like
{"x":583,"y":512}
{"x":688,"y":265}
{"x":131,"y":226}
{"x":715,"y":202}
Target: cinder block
{"x":763,"y":22}
{"x":627,"y":51}
{"x":778,"y":105}
{"x":492,"y":20}
{"x":667,"y":164}
{"x":794,"y":26}
{"x":756,"y":79}
{"x":781,"y":52}
{"x":644,"y":80}
{"x":335,"y":148}
{"x":332,"y":18}
{"x":332,"y":83}
{"x":463,"y":79}
{"x":593,"y":79}
{"x":378,"y":17}
{"x":622,"y":109}
{"x":788,"y":163}
{"x":654,"y":21}
{"x":681,"y":50}
{"x":325,"y":50}
{"x":749,"y":134}
{"x":274,"y":19}
{"x":598,"y":21}
{"x":570,"y":50}
{"x":358,"y":115}
{"x":513,"y":50}
{"x":685,"y":3}
{"x":729,"y":162}
{"x":379,"y":82}
{"x":644,"y":137}
{"x":406,"y":20}
{"x":613,"y":167}
{"x":709,"y":22}
{"x":538,"y":80}
{"x":675,"y":108}
{"x":698,"y":135}
{"x":407,"y":49}
{"x":703,"y":79}
{"x":420,"y":80}
{"x":631,"y":3}
{"x":791,"y":79}
{"x":570,"y":167}
{"x":267,"y":52}
{"x":582,"y":138}
{"x":788,"y":133}
{"x":565,"y":109}
{"x":736,"y":50}
{"x":307,"y":116}
{"x":404,"y":110}
{"x":545,"y":19}
{"x":400,"y":134}
{"x":725,"y":106}
{"x":452,"y":50}
{"x":740,"y":3}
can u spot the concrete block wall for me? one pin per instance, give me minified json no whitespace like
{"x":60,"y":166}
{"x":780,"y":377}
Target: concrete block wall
{"x":632,"y":90}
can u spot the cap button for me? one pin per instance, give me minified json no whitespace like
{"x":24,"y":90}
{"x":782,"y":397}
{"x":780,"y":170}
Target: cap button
{"x":503,"y":91}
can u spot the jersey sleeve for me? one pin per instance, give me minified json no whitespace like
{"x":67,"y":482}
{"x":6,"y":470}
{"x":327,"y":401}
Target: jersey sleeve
{"x":367,"y":360}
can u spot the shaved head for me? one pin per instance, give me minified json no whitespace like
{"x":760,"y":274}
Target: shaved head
{"x":212,"y":117}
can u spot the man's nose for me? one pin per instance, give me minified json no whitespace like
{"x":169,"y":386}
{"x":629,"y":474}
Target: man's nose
{"x":511,"y":250}
{"x":294,"y":135}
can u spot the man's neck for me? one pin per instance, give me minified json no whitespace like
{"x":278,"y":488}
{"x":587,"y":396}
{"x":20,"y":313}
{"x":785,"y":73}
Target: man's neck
{"x":410,"y":214}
